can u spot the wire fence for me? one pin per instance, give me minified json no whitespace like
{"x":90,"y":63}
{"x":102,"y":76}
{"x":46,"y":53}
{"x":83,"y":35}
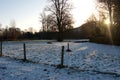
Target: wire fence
{"x":62,"y":54}
{"x":41,"y":52}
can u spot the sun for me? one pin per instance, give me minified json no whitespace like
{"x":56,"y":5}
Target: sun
{"x":107,"y":21}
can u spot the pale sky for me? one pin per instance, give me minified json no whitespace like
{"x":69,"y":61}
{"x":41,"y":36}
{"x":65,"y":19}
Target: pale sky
{"x":26,"y":13}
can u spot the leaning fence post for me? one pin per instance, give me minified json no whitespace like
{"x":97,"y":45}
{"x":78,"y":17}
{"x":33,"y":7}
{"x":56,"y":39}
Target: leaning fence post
{"x":24,"y":46}
{"x":1,"y":48}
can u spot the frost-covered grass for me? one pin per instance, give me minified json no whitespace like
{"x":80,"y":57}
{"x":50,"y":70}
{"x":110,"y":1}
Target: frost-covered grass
{"x":11,"y":69}
{"x":85,"y":56}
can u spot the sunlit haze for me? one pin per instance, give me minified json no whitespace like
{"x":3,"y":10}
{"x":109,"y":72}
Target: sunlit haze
{"x":26,"y":13}
{"x":82,"y":11}
{"x":107,"y":21}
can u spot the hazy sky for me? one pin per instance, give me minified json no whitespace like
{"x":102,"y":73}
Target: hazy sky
{"x":26,"y":12}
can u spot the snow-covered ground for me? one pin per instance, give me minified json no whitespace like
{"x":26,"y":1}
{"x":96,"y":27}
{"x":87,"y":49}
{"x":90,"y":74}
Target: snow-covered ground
{"x":90,"y":61}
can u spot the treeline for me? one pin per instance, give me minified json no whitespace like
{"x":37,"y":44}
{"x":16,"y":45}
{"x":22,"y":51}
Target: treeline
{"x":105,"y":27}
{"x":101,"y":32}
{"x":65,"y":35}
{"x":110,"y":32}
{"x":13,"y":33}
{"x":17,"y":34}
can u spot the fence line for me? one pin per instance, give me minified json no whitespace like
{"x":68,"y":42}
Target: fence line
{"x":62,"y":57}
{"x":24,"y":48}
{"x":1,"y":48}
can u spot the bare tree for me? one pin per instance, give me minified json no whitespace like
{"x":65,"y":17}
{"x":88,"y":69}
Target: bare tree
{"x":109,"y":6}
{"x":60,"y":9}
{"x":48,"y":22}
{"x":51,"y":23}
{"x":43,"y":21}
{"x":92,"y":18}
{"x":67,"y":22}
{"x":1,"y":31}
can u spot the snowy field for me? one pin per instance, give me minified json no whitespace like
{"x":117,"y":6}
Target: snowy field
{"x":87,"y":61}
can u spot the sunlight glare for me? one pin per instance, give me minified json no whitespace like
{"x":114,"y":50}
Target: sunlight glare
{"x":83,"y":9}
{"x":107,"y":21}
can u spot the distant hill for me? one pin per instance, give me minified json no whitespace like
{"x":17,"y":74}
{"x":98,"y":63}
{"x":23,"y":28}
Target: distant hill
{"x":88,"y":30}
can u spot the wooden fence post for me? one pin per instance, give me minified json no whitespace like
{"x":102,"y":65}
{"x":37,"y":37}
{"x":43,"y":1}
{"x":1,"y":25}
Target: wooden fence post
{"x":1,"y":48}
{"x":24,"y":46}
{"x":68,"y":49}
{"x":62,"y":57}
